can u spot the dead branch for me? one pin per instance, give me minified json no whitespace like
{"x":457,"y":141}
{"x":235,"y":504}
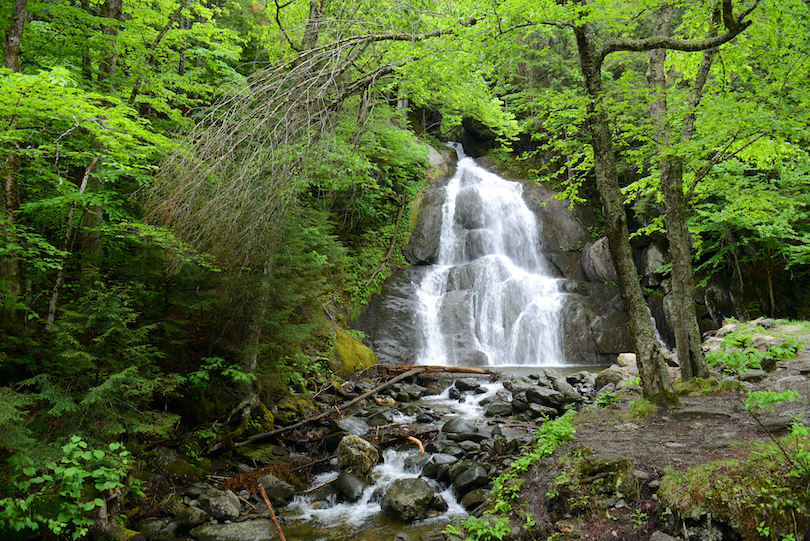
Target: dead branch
{"x":323,"y":414}
{"x":272,"y":513}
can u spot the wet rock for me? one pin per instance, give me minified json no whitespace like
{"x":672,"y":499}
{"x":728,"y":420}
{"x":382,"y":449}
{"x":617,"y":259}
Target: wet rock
{"x":356,"y":455}
{"x":351,"y":355}
{"x":408,"y":499}
{"x":537,"y":411}
{"x":438,"y":465}
{"x":350,"y":485}
{"x":545,"y":397}
{"x":470,"y":479}
{"x":417,"y":463}
{"x":191,"y":518}
{"x":221,"y":505}
{"x":423,"y":246}
{"x":458,"y":425}
{"x":498,"y":409}
{"x":468,"y":384}
{"x":277,"y":490}
{"x":380,"y":418}
{"x":569,"y":393}
{"x":350,"y":425}
{"x":158,"y":529}
{"x":474,"y":498}
{"x":251,"y":530}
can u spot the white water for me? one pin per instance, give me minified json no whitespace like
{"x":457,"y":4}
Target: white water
{"x":490,"y":280}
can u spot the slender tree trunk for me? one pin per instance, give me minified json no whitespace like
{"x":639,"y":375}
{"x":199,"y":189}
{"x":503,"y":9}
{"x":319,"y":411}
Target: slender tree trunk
{"x":655,"y":380}
{"x":684,"y":317}
{"x":10,"y":168}
{"x":60,"y":274}
{"x":112,"y":9}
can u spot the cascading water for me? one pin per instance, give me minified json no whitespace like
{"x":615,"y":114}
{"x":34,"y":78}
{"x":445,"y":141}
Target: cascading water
{"x":488,"y":300}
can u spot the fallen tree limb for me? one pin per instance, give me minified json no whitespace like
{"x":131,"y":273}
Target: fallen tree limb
{"x":448,"y":369}
{"x":323,"y":414}
{"x":272,"y":513}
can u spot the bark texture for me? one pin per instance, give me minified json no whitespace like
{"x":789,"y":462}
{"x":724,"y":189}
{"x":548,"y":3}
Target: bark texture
{"x":655,"y":380}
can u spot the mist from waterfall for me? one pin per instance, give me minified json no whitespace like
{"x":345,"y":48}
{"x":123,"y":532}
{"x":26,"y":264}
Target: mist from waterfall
{"x":488,"y":300}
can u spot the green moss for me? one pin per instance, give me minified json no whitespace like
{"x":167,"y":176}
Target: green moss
{"x":351,"y":355}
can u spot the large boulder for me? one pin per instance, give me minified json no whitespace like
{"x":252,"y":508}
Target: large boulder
{"x":408,"y":499}
{"x":278,"y":492}
{"x":351,"y":355}
{"x":598,"y":263}
{"x":356,"y":455}
{"x":221,"y":505}
{"x":470,"y":479}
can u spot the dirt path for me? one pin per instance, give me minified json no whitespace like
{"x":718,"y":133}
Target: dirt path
{"x":703,"y":428}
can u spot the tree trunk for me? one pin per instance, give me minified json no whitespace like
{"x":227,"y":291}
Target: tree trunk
{"x":684,"y":316}
{"x":112,"y":9}
{"x":655,"y":381}
{"x":10,"y":169}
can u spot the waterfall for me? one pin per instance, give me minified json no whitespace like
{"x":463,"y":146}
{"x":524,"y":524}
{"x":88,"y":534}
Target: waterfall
{"x":489,"y":299}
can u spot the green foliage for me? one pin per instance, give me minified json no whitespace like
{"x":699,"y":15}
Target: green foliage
{"x":58,"y":498}
{"x":642,"y":409}
{"x":13,"y":432}
{"x":605,"y":399}
{"x":201,"y":379}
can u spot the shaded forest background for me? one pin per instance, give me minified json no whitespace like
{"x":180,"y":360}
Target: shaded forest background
{"x":199,"y":196}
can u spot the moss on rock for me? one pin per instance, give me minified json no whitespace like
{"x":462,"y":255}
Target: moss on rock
{"x":351,"y":355}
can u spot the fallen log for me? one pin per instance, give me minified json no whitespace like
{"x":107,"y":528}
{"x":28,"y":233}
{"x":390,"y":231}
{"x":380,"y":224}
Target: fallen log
{"x":439,"y":369}
{"x":312,"y":418}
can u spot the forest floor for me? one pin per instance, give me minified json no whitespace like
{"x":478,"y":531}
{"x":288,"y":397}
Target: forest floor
{"x":702,"y":428}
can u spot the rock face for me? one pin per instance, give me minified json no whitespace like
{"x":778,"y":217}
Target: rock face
{"x":594,"y":327}
{"x":351,"y":354}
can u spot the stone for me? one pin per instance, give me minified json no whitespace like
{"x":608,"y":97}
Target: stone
{"x":221,"y":505}
{"x":278,"y":492}
{"x":191,"y":518}
{"x":423,"y":246}
{"x":608,"y":376}
{"x":545,"y":396}
{"x":350,"y":485}
{"x":158,"y":529}
{"x":458,"y":425}
{"x":499,"y":409}
{"x":251,"y":530}
{"x":598,"y":263}
{"x":468,"y":384}
{"x":351,"y":355}
{"x":470,"y":479}
{"x":562,"y":386}
{"x":661,"y":536}
{"x":350,"y":425}
{"x":408,"y":499}
{"x":474,"y":498}
{"x":177,"y":467}
{"x":437,"y":466}
{"x":626,"y":359}
{"x":356,"y":455}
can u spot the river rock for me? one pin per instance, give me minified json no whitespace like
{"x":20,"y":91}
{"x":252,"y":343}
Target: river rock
{"x":458,"y":425}
{"x":569,"y":393}
{"x":612,"y":375}
{"x":350,"y":485}
{"x":476,"y":477}
{"x":468,"y":384}
{"x":356,"y":455}
{"x":351,"y":425}
{"x":438,"y":465}
{"x":251,"y":530}
{"x":408,"y":499}
{"x":474,"y":498}
{"x":221,"y":505}
{"x":277,"y":490}
{"x":545,"y":396}
{"x":158,"y":529}
{"x":191,"y":518}
{"x":536,"y":411}
{"x":499,"y":409}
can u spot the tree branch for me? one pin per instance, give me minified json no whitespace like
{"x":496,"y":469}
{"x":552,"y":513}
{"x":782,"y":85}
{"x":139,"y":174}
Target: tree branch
{"x":733,"y":28}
